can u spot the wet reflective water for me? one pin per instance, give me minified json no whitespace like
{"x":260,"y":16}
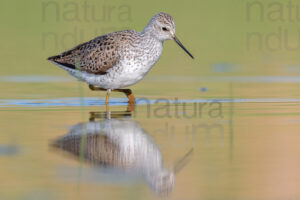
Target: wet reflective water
{"x":225,"y":125}
{"x":121,"y":149}
{"x":207,"y":148}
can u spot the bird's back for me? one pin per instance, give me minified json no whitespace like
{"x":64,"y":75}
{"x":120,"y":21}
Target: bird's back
{"x":98,"y":55}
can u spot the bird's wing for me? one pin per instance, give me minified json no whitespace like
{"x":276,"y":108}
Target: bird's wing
{"x":99,"y":149}
{"x":96,"y":56}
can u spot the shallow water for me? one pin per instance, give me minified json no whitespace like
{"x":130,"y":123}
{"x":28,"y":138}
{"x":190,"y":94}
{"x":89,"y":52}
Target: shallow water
{"x":70,"y":147}
{"x":225,"y":125}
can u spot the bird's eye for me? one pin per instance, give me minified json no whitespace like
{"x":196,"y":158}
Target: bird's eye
{"x":164,"y":29}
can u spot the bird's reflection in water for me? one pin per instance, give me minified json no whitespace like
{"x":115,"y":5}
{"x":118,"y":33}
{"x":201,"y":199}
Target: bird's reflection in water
{"x":123,"y":145}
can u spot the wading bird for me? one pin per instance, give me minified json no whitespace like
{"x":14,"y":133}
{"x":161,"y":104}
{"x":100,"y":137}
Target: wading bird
{"x":117,"y":60}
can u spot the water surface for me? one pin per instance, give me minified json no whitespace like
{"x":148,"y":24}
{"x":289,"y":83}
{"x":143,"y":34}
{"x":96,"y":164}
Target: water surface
{"x":69,"y":147}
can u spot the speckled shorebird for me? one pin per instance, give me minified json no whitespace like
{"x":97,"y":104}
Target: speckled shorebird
{"x":120,"y":59}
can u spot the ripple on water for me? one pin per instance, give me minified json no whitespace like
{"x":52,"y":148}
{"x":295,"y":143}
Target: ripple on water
{"x":35,"y":79}
{"x":8,"y":150}
{"x":89,"y":101}
{"x":151,"y":78}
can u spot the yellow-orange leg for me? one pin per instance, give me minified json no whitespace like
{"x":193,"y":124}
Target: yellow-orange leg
{"x":130,"y":97}
{"x":95,"y":88}
{"x":127,"y":92}
{"x":107,"y":96}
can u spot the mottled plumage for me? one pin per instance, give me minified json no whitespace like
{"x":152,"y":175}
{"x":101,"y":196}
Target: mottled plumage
{"x":97,"y":55}
{"x":119,"y":59}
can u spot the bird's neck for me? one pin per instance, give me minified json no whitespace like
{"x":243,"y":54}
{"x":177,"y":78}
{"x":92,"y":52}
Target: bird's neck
{"x":147,"y":39}
{"x":149,"y":32}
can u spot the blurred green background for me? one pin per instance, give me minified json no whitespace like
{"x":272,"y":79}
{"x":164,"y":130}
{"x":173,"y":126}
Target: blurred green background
{"x":227,"y":38}
{"x":214,"y":31}
{"x":243,"y":49}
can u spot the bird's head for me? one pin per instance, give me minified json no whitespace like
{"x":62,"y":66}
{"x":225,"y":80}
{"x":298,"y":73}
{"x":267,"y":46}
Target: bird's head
{"x":162,"y":27}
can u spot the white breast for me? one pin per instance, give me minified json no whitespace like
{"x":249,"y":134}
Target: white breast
{"x":138,"y":62}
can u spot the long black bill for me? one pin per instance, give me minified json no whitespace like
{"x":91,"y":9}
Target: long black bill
{"x":181,"y":45}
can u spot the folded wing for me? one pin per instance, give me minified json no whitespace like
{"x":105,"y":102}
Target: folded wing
{"x":96,"y":56}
